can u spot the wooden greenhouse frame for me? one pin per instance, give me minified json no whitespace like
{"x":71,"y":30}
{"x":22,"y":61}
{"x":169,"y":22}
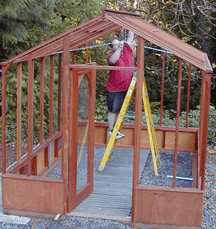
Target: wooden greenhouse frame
{"x":175,"y":206}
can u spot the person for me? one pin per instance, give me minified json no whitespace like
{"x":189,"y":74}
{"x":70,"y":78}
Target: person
{"x":119,"y":80}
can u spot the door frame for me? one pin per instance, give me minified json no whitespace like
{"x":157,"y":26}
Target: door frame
{"x":75,"y":76}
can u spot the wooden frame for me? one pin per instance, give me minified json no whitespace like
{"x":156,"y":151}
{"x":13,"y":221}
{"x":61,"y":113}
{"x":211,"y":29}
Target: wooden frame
{"x":35,"y":165}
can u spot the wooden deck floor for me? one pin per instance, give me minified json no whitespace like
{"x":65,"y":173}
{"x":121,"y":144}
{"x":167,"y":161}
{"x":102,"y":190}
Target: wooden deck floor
{"x":112,"y":194}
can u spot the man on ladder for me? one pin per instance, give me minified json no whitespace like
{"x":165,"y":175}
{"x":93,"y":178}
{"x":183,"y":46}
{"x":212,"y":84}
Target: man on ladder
{"x":119,"y":121}
{"x":119,"y":80}
{"x":120,"y":88}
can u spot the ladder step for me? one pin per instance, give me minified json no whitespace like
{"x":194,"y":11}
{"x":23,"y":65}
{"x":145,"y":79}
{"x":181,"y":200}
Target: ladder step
{"x":123,"y":114}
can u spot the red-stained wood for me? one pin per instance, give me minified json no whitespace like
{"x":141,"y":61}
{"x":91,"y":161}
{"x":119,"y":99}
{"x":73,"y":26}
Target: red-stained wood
{"x":41,"y":100}
{"x":177,"y":123}
{"x":19,"y":105}
{"x":34,"y":166}
{"x":162,"y":39}
{"x":56,"y":148}
{"x":30,"y":111}
{"x":19,"y":57}
{"x":51,"y":97}
{"x":92,"y":80}
{"x":72,"y":156}
{"x":77,"y":39}
{"x":204,"y":116}
{"x":82,"y":194}
{"x":71,"y":163}
{"x":74,"y":197}
{"x":59,"y":91}
{"x":87,"y":54}
{"x":138,"y":114}
{"x":188,"y":94}
{"x":33,"y":194}
{"x":168,"y":206}
{"x":4,"y":71}
{"x":36,"y":151}
{"x":65,"y":118}
{"x":101,"y":67}
{"x":46,"y":156}
{"x":162,"y":88}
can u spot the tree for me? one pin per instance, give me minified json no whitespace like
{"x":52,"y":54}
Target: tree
{"x":23,"y":23}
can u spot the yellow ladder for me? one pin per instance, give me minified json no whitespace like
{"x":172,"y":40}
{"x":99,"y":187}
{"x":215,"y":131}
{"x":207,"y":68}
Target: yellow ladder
{"x":151,"y":131}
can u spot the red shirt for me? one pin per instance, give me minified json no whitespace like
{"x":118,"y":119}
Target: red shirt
{"x":119,"y":80}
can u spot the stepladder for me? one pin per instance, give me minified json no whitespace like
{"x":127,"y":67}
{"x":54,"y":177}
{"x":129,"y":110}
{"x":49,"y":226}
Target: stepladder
{"x":119,"y":122}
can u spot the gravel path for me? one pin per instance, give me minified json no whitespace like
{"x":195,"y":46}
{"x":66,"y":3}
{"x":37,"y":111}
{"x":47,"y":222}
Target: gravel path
{"x":183,"y":169}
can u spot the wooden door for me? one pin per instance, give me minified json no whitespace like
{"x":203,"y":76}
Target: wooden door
{"x":82,"y":89}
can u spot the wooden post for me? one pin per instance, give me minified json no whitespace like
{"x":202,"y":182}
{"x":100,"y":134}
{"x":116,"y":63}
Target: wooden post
{"x":177,"y":123}
{"x":4,"y":71}
{"x":162,"y":88}
{"x":59,"y":91}
{"x":41,"y":100}
{"x":51,"y":97}
{"x":87,"y":53}
{"x":188,"y":94}
{"x":30,"y":111}
{"x":91,"y":130}
{"x":19,"y":105}
{"x":204,"y":119}
{"x":65,"y":117}
{"x":138,"y":114}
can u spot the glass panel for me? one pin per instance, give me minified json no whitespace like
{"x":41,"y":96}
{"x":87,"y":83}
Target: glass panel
{"x":83,"y":127}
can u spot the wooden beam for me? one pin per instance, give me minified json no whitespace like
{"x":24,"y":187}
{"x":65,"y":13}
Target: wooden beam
{"x":138,"y":114}
{"x":188,"y":94}
{"x":204,"y":117}
{"x":30,"y":110}
{"x":4,"y":72}
{"x":105,"y":67}
{"x":41,"y":100}
{"x":59,"y":91}
{"x":51,"y":97}
{"x":65,"y":117}
{"x":19,"y":107}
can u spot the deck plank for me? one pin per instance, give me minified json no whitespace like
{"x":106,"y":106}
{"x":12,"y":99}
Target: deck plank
{"x":112,"y":194}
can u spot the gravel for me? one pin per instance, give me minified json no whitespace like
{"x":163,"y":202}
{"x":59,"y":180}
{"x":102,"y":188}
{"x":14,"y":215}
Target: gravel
{"x":147,"y":177}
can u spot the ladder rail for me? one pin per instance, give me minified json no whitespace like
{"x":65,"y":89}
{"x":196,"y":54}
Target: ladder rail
{"x":119,"y":122}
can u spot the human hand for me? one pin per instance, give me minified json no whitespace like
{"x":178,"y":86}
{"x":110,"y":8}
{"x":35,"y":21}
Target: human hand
{"x":121,"y":44}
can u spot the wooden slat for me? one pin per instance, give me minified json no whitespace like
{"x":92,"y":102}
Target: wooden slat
{"x":204,"y":116}
{"x":41,"y":100}
{"x":30,"y":110}
{"x":101,"y":67}
{"x":59,"y":91}
{"x":23,"y":56}
{"x":19,"y":105}
{"x":51,"y":97}
{"x":91,"y":106}
{"x":163,"y":40}
{"x":4,"y":71}
{"x":36,"y":150}
{"x":72,"y":159}
{"x":65,"y":118}
{"x":138,"y":114}
{"x":188,"y":94}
